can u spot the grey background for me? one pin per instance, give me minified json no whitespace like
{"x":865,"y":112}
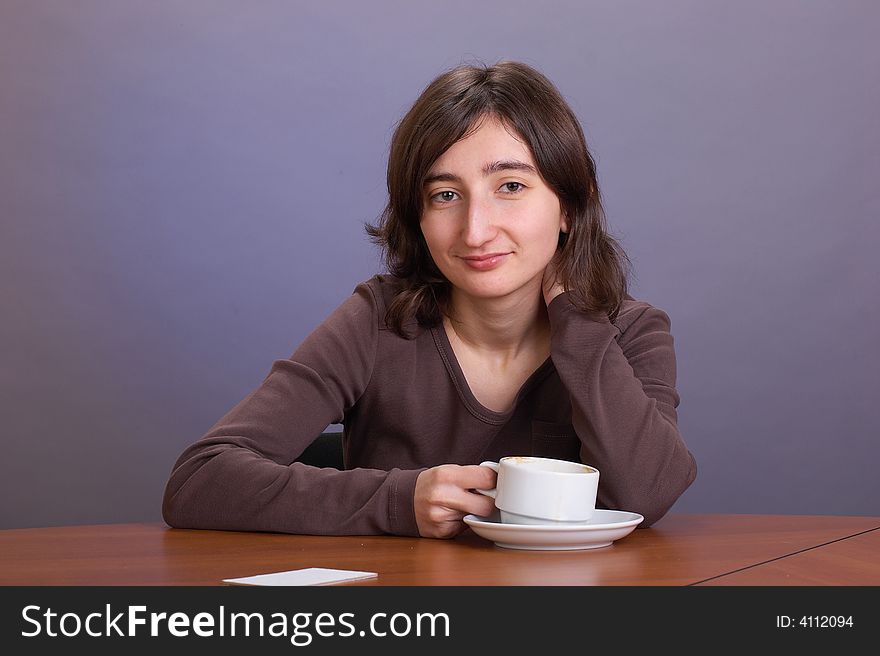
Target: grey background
{"x":182,"y":188}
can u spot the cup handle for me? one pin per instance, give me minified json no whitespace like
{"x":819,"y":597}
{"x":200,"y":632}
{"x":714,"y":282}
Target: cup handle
{"x":494,"y":490}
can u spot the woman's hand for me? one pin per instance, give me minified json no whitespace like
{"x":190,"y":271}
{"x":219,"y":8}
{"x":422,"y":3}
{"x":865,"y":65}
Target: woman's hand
{"x":550,"y":285}
{"x":443,"y":497}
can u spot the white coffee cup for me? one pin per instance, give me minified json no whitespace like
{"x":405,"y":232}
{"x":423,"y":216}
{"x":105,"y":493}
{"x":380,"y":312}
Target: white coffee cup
{"x":532,"y":490}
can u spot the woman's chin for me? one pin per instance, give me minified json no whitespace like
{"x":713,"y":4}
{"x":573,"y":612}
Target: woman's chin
{"x":489,"y":289}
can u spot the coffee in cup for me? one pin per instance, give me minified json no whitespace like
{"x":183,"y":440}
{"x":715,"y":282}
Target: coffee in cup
{"x":533,"y":490}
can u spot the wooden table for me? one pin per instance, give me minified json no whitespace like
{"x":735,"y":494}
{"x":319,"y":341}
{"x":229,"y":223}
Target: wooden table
{"x":853,"y":560}
{"x":681,"y":549}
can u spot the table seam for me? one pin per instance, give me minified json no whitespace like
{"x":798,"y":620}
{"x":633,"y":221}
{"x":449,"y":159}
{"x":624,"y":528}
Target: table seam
{"x":793,"y":553}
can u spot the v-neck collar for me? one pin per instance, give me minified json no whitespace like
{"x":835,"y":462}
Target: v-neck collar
{"x":477,"y":409}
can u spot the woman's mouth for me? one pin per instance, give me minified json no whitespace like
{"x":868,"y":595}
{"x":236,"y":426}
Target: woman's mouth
{"x":485,"y":262}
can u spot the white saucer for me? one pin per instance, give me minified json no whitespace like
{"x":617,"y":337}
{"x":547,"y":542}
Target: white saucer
{"x":603,"y":528}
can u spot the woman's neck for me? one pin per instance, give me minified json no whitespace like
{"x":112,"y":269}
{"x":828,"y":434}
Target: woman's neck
{"x":501,"y":328}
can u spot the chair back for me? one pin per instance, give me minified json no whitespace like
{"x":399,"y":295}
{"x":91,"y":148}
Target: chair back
{"x":325,"y":451}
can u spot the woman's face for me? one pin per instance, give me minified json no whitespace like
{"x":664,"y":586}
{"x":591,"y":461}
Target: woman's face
{"x":490,"y":221}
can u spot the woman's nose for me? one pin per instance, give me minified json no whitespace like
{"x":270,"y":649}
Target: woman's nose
{"x":479,"y":224}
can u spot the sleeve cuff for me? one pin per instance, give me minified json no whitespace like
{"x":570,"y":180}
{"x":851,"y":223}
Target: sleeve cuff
{"x":563,"y":305}
{"x":401,"y":510}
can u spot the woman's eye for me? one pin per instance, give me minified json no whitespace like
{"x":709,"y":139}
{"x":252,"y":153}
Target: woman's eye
{"x":512,"y":187}
{"x":444,"y":196}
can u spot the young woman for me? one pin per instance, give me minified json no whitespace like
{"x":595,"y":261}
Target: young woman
{"x":503,"y":328}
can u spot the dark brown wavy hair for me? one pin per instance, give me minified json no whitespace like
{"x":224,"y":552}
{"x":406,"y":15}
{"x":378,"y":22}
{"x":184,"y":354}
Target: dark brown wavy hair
{"x":590,"y":263}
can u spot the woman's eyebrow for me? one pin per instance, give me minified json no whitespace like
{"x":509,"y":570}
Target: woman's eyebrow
{"x":508,"y":165}
{"x":490,"y":168}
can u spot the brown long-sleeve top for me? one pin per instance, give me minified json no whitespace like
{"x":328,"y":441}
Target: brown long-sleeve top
{"x":606,"y":396}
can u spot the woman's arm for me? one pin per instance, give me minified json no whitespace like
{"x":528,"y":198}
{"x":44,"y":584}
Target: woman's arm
{"x":242,"y":476}
{"x":621,"y":379}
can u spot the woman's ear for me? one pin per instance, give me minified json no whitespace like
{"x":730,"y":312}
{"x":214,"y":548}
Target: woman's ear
{"x":563,"y":224}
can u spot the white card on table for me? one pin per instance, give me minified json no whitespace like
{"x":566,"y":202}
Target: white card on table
{"x":308,"y":576}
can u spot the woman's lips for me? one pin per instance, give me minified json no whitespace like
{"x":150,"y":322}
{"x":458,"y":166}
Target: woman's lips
{"x":485,"y":262}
